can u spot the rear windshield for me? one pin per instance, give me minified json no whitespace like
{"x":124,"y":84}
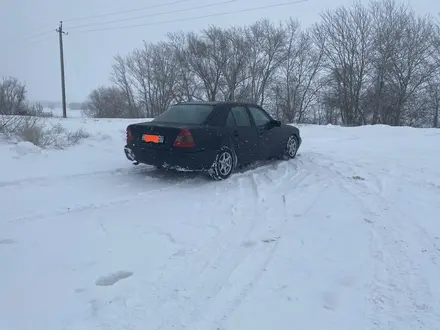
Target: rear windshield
{"x":185,"y":114}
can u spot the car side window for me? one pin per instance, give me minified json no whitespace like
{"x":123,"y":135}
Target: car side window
{"x":241,"y":116}
{"x":230,"y":121}
{"x":259,"y":116}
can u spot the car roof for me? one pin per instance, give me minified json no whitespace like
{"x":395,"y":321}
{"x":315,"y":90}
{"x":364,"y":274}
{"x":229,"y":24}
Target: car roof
{"x":214,"y":103}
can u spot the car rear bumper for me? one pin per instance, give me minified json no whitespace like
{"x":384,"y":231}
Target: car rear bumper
{"x":176,"y":159}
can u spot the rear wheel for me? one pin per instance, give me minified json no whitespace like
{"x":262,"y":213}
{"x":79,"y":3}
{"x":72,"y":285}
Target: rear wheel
{"x":223,"y":164}
{"x":291,"y":148}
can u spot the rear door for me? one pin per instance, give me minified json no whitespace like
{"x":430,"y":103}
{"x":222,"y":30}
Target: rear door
{"x":243,"y":134}
{"x":268,"y":135}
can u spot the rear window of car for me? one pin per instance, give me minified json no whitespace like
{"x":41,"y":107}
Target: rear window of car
{"x":185,"y":114}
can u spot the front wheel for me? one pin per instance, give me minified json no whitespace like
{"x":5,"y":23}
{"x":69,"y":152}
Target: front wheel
{"x":223,"y":164}
{"x":291,"y":148}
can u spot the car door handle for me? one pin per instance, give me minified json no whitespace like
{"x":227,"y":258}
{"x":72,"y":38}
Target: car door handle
{"x":235,"y":133}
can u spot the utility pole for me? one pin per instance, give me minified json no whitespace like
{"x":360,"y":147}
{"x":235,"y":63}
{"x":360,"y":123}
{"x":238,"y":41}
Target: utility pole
{"x":63,"y":83}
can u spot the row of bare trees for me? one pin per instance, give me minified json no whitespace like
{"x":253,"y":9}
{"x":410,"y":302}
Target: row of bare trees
{"x":365,"y":64}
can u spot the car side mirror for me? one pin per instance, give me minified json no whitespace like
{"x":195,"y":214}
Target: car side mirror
{"x":275,"y":123}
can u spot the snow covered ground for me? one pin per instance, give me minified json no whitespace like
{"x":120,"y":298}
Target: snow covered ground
{"x":58,"y":112}
{"x":346,"y":236}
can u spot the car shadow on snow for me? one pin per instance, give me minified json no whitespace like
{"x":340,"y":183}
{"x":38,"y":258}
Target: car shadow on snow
{"x":176,"y":176}
{"x":262,"y":165}
{"x":167,"y":175}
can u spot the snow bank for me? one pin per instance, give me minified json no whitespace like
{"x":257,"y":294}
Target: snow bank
{"x":102,"y":151}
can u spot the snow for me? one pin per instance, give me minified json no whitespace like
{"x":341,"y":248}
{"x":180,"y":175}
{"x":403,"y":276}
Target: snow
{"x":346,"y":236}
{"x":58,"y":112}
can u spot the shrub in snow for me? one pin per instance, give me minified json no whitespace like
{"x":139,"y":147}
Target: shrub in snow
{"x":37,"y":131}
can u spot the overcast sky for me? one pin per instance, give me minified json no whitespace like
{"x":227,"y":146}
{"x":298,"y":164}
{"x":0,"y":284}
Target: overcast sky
{"x":89,"y":55}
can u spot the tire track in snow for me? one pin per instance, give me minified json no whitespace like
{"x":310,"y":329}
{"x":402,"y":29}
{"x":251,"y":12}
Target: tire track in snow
{"x":201,"y":285}
{"x":190,"y":286}
{"x":281,"y":227}
{"x":260,"y":224}
{"x":403,"y":286}
{"x":43,"y":180}
{"x":182,"y":294}
{"x":94,"y":206}
{"x":399,"y":292}
{"x":234,"y":303}
{"x":399,"y":281}
{"x":167,"y":282}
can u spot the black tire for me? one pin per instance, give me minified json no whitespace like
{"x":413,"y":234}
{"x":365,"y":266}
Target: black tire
{"x":220,"y":169}
{"x":291,"y":147}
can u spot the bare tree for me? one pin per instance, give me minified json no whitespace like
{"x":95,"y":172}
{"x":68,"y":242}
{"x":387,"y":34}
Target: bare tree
{"x":12,"y":96}
{"x":107,"y":102}
{"x":433,"y":89}
{"x":345,"y":34}
{"x":205,"y":56}
{"x":409,"y":61}
{"x":122,"y":79}
{"x":154,"y":72}
{"x":266,"y":44}
{"x":188,"y":86}
{"x":234,"y":73}
{"x":433,"y":99}
{"x":297,"y":86}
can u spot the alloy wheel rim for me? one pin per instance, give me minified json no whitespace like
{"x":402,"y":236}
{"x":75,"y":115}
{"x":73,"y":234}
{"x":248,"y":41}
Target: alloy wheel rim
{"x":291,"y":146}
{"x":225,"y":163}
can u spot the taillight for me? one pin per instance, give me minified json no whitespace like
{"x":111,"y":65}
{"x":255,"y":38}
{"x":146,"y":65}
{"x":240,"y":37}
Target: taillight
{"x":184,"y":139}
{"x":130,"y":137}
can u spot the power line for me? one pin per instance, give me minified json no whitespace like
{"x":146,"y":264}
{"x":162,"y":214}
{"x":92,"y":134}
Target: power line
{"x":33,"y":39}
{"x":153,"y":15}
{"x":100,"y":15}
{"x":196,"y":17}
{"x":38,"y":35}
{"x":36,"y":42}
{"x":126,"y":11}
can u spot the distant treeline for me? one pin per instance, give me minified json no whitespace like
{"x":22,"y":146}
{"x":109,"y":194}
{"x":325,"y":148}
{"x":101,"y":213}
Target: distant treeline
{"x":59,"y":105}
{"x":373,"y":63}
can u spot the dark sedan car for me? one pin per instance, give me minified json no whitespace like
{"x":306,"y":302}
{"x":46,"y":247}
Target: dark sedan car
{"x":210,"y":136}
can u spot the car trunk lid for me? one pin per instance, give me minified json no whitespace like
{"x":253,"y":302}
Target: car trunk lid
{"x":156,"y":135}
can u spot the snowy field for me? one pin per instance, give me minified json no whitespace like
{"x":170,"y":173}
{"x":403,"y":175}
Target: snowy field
{"x":346,"y":236}
{"x":58,"y":112}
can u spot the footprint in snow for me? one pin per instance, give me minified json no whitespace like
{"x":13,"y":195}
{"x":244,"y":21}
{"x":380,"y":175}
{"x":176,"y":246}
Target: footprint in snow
{"x":111,"y":279}
{"x":270,"y":240}
{"x":248,"y":243}
{"x":330,"y":301}
{"x":7,"y":241}
{"x":180,"y":253}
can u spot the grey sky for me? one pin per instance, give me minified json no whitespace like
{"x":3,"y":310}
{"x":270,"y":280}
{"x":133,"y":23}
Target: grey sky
{"x":89,"y":55}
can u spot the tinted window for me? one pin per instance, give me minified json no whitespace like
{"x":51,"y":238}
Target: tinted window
{"x":230,"y":121}
{"x":259,"y":116}
{"x":241,"y":116}
{"x":185,"y":114}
